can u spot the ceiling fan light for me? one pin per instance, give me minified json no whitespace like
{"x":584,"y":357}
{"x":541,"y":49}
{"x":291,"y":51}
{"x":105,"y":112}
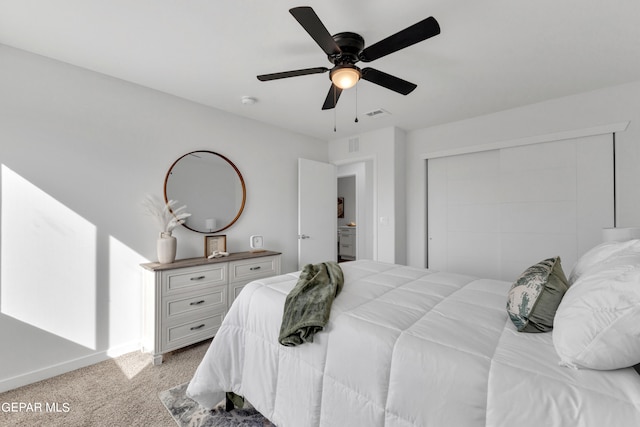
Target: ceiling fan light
{"x":345,"y":76}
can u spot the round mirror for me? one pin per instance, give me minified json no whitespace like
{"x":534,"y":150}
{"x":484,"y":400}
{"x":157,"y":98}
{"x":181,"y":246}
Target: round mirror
{"x":212,"y":188}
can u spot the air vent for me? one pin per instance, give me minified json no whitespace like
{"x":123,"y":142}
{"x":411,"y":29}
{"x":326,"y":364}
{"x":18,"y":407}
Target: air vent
{"x":354,"y":145}
{"x":378,"y":113}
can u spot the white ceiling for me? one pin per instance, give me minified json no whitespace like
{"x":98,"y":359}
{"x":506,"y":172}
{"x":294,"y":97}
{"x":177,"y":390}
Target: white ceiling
{"x":492,"y":55}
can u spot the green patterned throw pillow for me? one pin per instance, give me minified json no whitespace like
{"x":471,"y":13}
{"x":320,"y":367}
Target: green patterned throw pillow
{"x":536,"y":295}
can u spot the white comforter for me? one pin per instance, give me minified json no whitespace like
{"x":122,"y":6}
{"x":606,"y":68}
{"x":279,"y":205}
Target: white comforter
{"x":406,"y":347}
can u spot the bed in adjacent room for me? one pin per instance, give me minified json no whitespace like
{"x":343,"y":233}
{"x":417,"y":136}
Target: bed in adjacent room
{"x":412,"y":347}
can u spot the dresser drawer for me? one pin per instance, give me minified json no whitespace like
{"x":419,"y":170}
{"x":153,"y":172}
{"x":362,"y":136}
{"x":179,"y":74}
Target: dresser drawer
{"x":208,"y":301}
{"x":179,"y":335}
{"x":234,"y":291}
{"x":347,"y":239}
{"x":186,"y":279}
{"x":185,"y":301}
{"x":251,"y":269}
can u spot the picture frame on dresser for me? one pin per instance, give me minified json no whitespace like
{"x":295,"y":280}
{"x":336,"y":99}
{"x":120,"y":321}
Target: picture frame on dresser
{"x":213,"y":244}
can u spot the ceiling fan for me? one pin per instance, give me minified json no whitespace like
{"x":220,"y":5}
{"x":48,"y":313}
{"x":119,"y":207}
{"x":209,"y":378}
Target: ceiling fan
{"x":345,"y":49}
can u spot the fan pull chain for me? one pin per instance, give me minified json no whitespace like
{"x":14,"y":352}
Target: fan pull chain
{"x":335,"y":107}
{"x":356,"y":120}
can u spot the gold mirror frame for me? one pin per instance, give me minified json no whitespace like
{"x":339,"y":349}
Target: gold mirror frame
{"x":198,"y":182}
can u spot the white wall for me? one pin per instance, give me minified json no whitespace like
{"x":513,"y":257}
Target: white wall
{"x":91,"y":147}
{"x":400,"y":193}
{"x":587,"y":110}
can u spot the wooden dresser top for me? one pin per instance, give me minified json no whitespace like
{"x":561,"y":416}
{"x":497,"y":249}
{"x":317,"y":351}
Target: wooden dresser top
{"x":198,"y":261}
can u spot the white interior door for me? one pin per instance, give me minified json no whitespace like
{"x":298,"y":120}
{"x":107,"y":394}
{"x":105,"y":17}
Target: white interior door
{"x":317,"y":212}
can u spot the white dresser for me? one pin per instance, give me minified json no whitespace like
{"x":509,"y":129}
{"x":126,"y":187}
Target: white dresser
{"x":347,"y":243}
{"x":185,"y":301}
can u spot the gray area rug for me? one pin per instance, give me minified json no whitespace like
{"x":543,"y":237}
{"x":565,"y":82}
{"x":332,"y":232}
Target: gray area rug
{"x":187,"y":413}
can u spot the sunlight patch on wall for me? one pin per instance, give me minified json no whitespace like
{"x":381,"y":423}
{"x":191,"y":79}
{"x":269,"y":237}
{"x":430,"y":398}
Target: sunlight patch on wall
{"x":125,"y":293}
{"x":125,"y":304}
{"x":48,"y":274}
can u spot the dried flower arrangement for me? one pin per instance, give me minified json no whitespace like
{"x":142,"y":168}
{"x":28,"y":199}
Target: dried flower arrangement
{"x":167,"y":216}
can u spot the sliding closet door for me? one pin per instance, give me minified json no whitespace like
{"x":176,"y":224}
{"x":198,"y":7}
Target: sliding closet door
{"x":464,"y":213}
{"x":494,"y":213}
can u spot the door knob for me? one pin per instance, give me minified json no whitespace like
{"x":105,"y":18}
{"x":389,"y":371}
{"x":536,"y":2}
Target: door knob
{"x":303,"y":236}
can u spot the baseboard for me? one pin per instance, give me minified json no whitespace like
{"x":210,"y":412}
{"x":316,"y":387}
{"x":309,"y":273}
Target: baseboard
{"x":64,"y":367}
{"x":123,"y":349}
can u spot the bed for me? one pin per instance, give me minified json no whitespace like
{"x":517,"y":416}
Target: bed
{"x":413,"y":347}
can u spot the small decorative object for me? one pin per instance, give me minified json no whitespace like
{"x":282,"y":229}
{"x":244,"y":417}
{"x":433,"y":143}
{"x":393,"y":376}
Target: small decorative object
{"x":213,"y":244}
{"x":218,"y":254}
{"x":256,"y":242}
{"x":167,"y":217}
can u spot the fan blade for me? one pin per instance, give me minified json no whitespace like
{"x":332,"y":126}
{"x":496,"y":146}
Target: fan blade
{"x":411,"y":35}
{"x":293,"y":73}
{"x":387,"y":80}
{"x":332,"y":97}
{"x":316,"y":29}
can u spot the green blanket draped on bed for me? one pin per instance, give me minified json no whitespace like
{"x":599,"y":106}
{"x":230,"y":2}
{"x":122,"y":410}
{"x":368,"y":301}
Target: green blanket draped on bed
{"x":308,"y":305}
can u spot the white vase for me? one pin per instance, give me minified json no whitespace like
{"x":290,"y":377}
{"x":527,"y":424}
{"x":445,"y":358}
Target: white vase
{"x":166,"y":246}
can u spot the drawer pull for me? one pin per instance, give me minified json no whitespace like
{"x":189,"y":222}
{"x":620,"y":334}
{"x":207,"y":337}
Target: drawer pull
{"x":197,"y":278}
{"x":255,"y":268}
{"x":193,"y":328}
{"x":196,"y":302}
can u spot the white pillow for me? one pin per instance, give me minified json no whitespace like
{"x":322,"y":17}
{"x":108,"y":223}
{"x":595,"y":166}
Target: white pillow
{"x":595,"y":257}
{"x":597,"y":324}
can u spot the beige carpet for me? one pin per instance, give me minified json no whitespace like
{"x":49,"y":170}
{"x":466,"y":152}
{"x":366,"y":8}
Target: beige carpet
{"x":118,"y":392}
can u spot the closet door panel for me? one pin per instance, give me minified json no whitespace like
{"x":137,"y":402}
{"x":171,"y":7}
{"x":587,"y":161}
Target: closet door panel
{"x":475,"y":254}
{"x":541,"y":185}
{"x":500,"y":211}
{"x":437,"y":215}
{"x":473,"y":213}
{"x":539,"y":217}
{"x":538,"y":247}
{"x":485,"y":217}
{"x":463,"y":208}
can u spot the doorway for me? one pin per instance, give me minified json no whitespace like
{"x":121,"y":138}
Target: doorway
{"x":317,"y":222}
{"x":356,"y":225}
{"x":347,"y":224}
